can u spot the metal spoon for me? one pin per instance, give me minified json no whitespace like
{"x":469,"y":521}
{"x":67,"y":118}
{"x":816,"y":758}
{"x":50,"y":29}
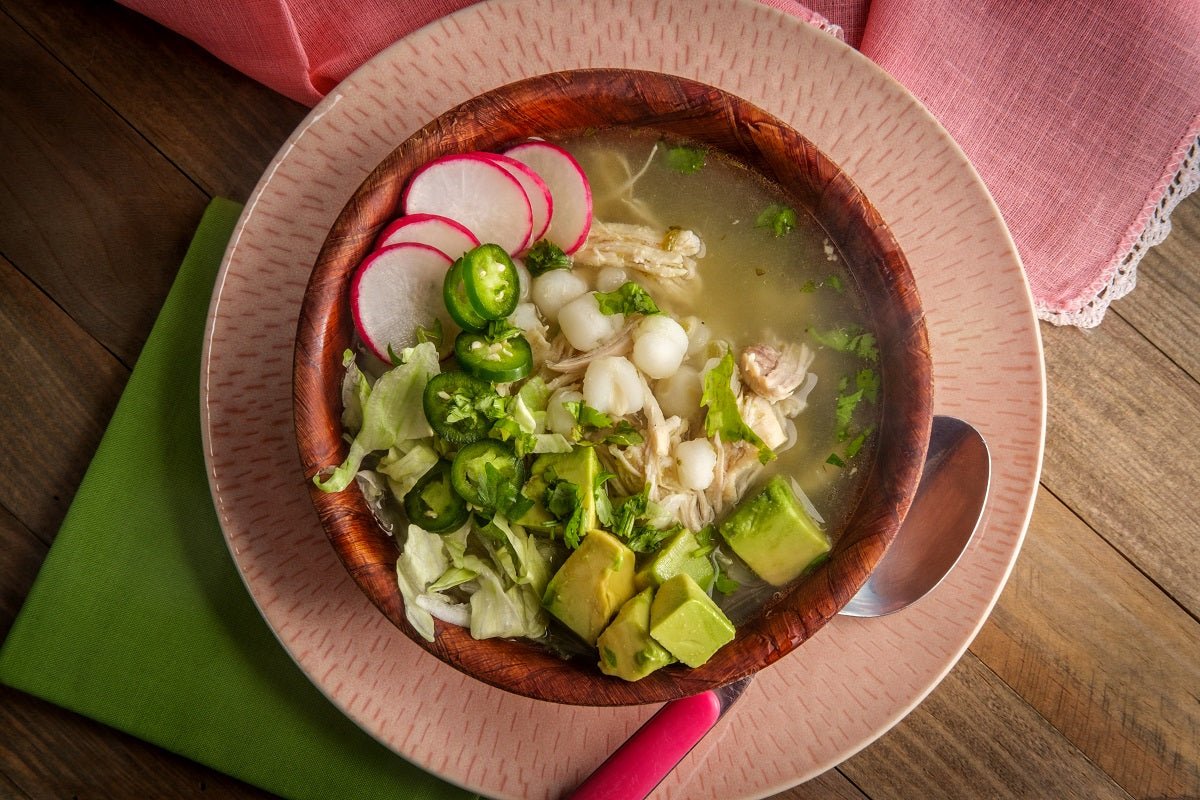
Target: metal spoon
{"x":939,"y":525}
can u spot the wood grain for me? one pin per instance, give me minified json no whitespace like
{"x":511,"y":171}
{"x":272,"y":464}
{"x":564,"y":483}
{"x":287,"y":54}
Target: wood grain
{"x":560,"y":104}
{"x":1163,"y":309}
{"x":21,"y":555}
{"x":974,"y":737}
{"x":59,"y":387}
{"x":1075,"y":622}
{"x":204,"y":116}
{"x":1123,"y":418}
{"x":88,"y":212}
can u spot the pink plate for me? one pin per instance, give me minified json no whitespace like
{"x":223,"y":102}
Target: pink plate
{"x":857,"y":677}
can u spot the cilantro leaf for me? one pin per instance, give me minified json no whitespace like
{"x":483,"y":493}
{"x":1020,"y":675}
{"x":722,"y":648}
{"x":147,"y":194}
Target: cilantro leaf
{"x":647,"y":539}
{"x":867,"y":382}
{"x":433,"y":333}
{"x":565,"y":501}
{"x":723,"y":416}
{"x":629,"y":298}
{"x":725,"y":584}
{"x":777,"y":218}
{"x":545,"y":256}
{"x":835,"y":460}
{"x":686,"y":159}
{"x":848,"y":340}
{"x":846,"y":404}
{"x":623,"y":434}
{"x":628,"y":510}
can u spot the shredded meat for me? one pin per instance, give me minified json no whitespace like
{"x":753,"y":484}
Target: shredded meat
{"x":664,"y":254}
{"x":775,"y":374}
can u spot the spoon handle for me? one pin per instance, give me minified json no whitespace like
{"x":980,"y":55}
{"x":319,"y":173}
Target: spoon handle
{"x":653,"y":750}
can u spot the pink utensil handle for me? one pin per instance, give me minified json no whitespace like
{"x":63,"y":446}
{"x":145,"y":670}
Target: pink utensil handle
{"x":654,"y":749}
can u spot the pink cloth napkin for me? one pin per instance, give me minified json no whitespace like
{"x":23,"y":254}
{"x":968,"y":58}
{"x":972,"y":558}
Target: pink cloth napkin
{"x":1082,"y":117}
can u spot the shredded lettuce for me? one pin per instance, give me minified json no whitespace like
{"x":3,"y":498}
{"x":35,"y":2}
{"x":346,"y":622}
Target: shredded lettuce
{"x":422,"y":561}
{"x":723,"y":416}
{"x":404,"y":469}
{"x":355,"y":390}
{"x":392,"y":413}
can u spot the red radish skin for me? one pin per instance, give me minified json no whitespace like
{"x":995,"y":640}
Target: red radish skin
{"x":396,"y":289}
{"x":541,"y":202}
{"x":569,"y":189}
{"x":475,"y":191}
{"x":451,"y":237}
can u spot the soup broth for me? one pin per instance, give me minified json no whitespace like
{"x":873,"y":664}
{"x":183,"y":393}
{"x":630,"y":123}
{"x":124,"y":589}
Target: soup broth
{"x":752,"y":287}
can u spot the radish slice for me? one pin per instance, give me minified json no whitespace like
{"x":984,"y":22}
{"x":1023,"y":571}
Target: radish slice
{"x":396,"y":290}
{"x":478,"y":193}
{"x":540,"y":201}
{"x":569,"y":189}
{"x":444,"y":234}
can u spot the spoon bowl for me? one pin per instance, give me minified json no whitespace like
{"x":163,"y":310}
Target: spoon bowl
{"x":940,"y":523}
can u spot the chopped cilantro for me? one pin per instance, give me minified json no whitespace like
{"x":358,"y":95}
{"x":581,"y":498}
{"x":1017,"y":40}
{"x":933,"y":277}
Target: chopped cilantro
{"x":831,"y":281}
{"x":849,"y":340}
{"x":707,"y":539}
{"x":867,"y":382}
{"x":433,"y":334}
{"x":778,"y":219}
{"x":545,"y":256}
{"x":857,"y":442}
{"x":628,"y":510}
{"x":647,"y":539}
{"x":629,"y":298}
{"x":686,"y":159}
{"x":565,"y":501}
{"x":835,"y":460}
{"x":846,"y":404}
{"x":723,"y":416}
{"x":623,"y":434}
{"x":500,"y":492}
{"x":723,"y":583}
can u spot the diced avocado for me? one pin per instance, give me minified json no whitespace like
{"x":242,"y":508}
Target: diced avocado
{"x":774,"y":535}
{"x":626,"y":649}
{"x":687,"y":622}
{"x":581,"y":467}
{"x":591,"y":585}
{"x":678,"y":554}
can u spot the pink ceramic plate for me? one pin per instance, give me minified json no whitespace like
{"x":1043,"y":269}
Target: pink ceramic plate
{"x":857,"y":677}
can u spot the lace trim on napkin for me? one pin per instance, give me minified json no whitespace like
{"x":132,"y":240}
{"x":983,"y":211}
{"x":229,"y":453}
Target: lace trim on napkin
{"x":1186,"y":181}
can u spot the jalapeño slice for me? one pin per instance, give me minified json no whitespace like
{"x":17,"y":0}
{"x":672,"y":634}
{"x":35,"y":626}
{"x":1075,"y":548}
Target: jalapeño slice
{"x":482,"y":469}
{"x":496,"y":360}
{"x":491,"y":281}
{"x":432,"y":504}
{"x":454,"y":293}
{"x":451,"y":403}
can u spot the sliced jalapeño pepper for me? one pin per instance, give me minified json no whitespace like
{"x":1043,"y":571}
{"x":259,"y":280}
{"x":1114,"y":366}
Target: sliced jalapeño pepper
{"x":497,"y":360}
{"x":433,"y":504}
{"x":454,"y":294}
{"x":452,"y":406}
{"x":491,"y":281}
{"x":469,"y":474}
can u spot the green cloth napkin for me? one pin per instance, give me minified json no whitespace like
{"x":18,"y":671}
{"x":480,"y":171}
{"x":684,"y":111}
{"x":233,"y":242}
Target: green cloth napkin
{"x":138,"y":617}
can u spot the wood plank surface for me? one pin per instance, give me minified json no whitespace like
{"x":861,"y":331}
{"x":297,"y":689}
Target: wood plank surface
{"x":91,"y":214}
{"x":59,"y":387}
{"x":1084,"y":683}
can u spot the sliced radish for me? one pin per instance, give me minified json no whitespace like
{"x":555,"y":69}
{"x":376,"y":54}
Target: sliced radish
{"x":569,"y":189}
{"x":477,"y":192}
{"x":451,"y":237}
{"x":541,"y":203}
{"x":397,"y":289}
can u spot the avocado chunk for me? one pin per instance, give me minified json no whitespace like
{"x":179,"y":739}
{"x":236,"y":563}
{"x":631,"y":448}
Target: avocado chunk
{"x":626,"y":649}
{"x":591,"y":585}
{"x":581,"y":467}
{"x":687,"y":622}
{"x":774,"y":535}
{"x":677,"y":554}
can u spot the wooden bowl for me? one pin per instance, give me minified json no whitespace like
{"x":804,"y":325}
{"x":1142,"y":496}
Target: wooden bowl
{"x":560,"y":104}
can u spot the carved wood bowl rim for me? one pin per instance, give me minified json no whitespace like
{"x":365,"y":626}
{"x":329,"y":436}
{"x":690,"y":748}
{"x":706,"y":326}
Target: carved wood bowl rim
{"x":556,"y":104}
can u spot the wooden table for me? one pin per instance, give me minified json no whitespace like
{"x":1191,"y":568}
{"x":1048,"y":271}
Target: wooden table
{"x":1085,"y":682}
